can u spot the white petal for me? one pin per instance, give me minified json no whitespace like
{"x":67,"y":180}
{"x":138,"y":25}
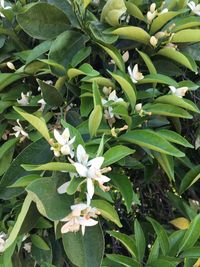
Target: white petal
{"x":59,"y":138}
{"x":81,"y":154}
{"x":81,"y":169}
{"x":112,"y":96}
{"x":66,"y":134}
{"x":87,"y":222}
{"x":65,"y":150}
{"x":103,"y":179}
{"x":72,"y":140}
{"x":173,"y":89}
{"x":63,"y":188}
{"x":96,"y":162}
{"x":80,"y":207}
{"x":90,"y":188}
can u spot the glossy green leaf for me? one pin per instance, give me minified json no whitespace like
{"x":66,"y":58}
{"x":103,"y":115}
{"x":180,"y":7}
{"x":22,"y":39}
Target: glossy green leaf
{"x":179,"y":57}
{"x":74,"y":183}
{"x":39,"y":242}
{"x":151,"y":140}
{"x":7,"y":146}
{"x":115,"y":55}
{"x":191,"y":177}
{"x":148,"y":62}
{"x":186,"y":36}
{"x":50,"y":94}
{"x":174,"y":137}
{"x":8,"y":78}
{"x":107,"y":211}
{"x":193,"y":252}
{"x":134,"y":11}
{"x":50,"y":204}
{"x":36,"y":122}
{"x":140,"y":240}
{"x":162,"y":19}
{"x":161,"y":234}
{"x":25,"y":180}
{"x":126,"y":241}
{"x":161,"y":262}
{"x":167,"y":163}
{"x":39,"y":50}
{"x":116,"y":153}
{"x":52,"y":166}
{"x":158,"y":78}
{"x":85,"y":251}
{"x":38,"y":26}
{"x":154,"y":252}
{"x":100,"y":81}
{"x":192,"y":234}
{"x":95,"y":120}
{"x":127,"y":87}
{"x":132,"y":33}
{"x":167,"y":110}
{"x":96,"y":95}
{"x":112,"y":11}
{"x":125,"y":261}
{"x":185,"y":23}
{"x":177,"y":101}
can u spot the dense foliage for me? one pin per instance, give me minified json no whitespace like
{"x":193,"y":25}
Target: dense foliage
{"x":100,"y":134}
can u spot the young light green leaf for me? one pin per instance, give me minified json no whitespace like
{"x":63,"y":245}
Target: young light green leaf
{"x":100,"y":81}
{"x":134,"y":11}
{"x":25,"y":180}
{"x":116,"y":153}
{"x":191,"y":177}
{"x":36,"y":122}
{"x":148,"y":62}
{"x":186,"y":36}
{"x":185,"y":23}
{"x":107,"y":211}
{"x":39,"y":242}
{"x":151,"y":140}
{"x":158,"y":78}
{"x":126,"y":241}
{"x":96,"y":95}
{"x":52,"y":166}
{"x":161,"y":234}
{"x":95,"y":120}
{"x":132,"y":33}
{"x":74,"y":183}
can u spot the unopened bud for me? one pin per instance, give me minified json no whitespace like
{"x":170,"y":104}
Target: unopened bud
{"x":152,"y":7}
{"x":125,"y":56}
{"x":153,"y":41}
{"x":10,"y":65}
{"x":159,"y":35}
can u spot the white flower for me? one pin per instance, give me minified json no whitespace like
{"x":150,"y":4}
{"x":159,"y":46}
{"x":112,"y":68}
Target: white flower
{"x":195,"y":8}
{"x":24,"y":101}
{"x":79,"y":217}
{"x":3,"y":6}
{"x":64,"y":145}
{"x":91,"y":170}
{"x":27,"y":247}
{"x":19,"y":131}
{"x":2,"y":241}
{"x":180,"y":92}
{"x":135,"y":74}
{"x":43,"y":104}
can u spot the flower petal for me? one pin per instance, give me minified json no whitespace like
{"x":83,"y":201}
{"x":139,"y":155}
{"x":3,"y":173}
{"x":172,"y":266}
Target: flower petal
{"x":66,"y":134}
{"x":59,"y":138}
{"x":90,"y":188}
{"x":103,"y":179}
{"x":96,"y":162}
{"x":81,"y":169}
{"x":87,"y":222}
{"x":63,"y":188}
{"x":82,"y":156}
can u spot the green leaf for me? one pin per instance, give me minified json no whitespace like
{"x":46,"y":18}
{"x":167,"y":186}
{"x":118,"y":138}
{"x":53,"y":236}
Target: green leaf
{"x":161,"y":262}
{"x":162,"y":19}
{"x":126,"y":241}
{"x":187,"y":22}
{"x":96,"y":95}
{"x":174,"y":137}
{"x":179,"y":57}
{"x":127,"y":87}
{"x":148,"y":62}
{"x":38,"y":50}
{"x":123,"y":183}
{"x":186,"y":36}
{"x":51,"y":166}
{"x":50,"y":204}
{"x":167,"y":163}
{"x":8,"y":78}
{"x":85,"y":251}
{"x":193,"y":252}
{"x":116,"y":153}
{"x":73,"y":41}
{"x":191,"y":235}
{"x":167,"y":110}
{"x":100,"y":81}
{"x":36,"y":122}
{"x":177,"y":101}
{"x":25,"y":180}
{"x":50,"y":94}
{"x":154,"y":252}
{"x":82,"y":54}
{"x":158,"y":78}
{"x":115,"y":55}
{"x":134,"y":11}
{"x":112,"y":11}
{"x":74,"y":183}
{"x":39,"y":242}
{"x":107,"y":211}
{"x":151,"y":140}
{"x":38,"y":26}
{"x":16,"y":229}
{"x":7,"y":146}
{"x":161,"y":234}
{"x":36,"y":153}
{"x":125,"y":261}
{"x":190,"y":178}
{"x":95,"y":120}
{"x":133,"y":33}
{"x":140,"y":240}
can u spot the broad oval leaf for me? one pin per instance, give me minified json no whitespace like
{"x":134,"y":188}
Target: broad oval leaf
{"x":85,"y":251}
{"x":132,"y":33}
{"x":107,"y":211}
{"x":151,"y":140}
{"x":39,"y":19}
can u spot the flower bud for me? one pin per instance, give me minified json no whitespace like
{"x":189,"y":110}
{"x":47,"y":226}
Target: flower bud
{"x":153,"y":41}
{"x":153,"y":7}
{"x":10,"y":65}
